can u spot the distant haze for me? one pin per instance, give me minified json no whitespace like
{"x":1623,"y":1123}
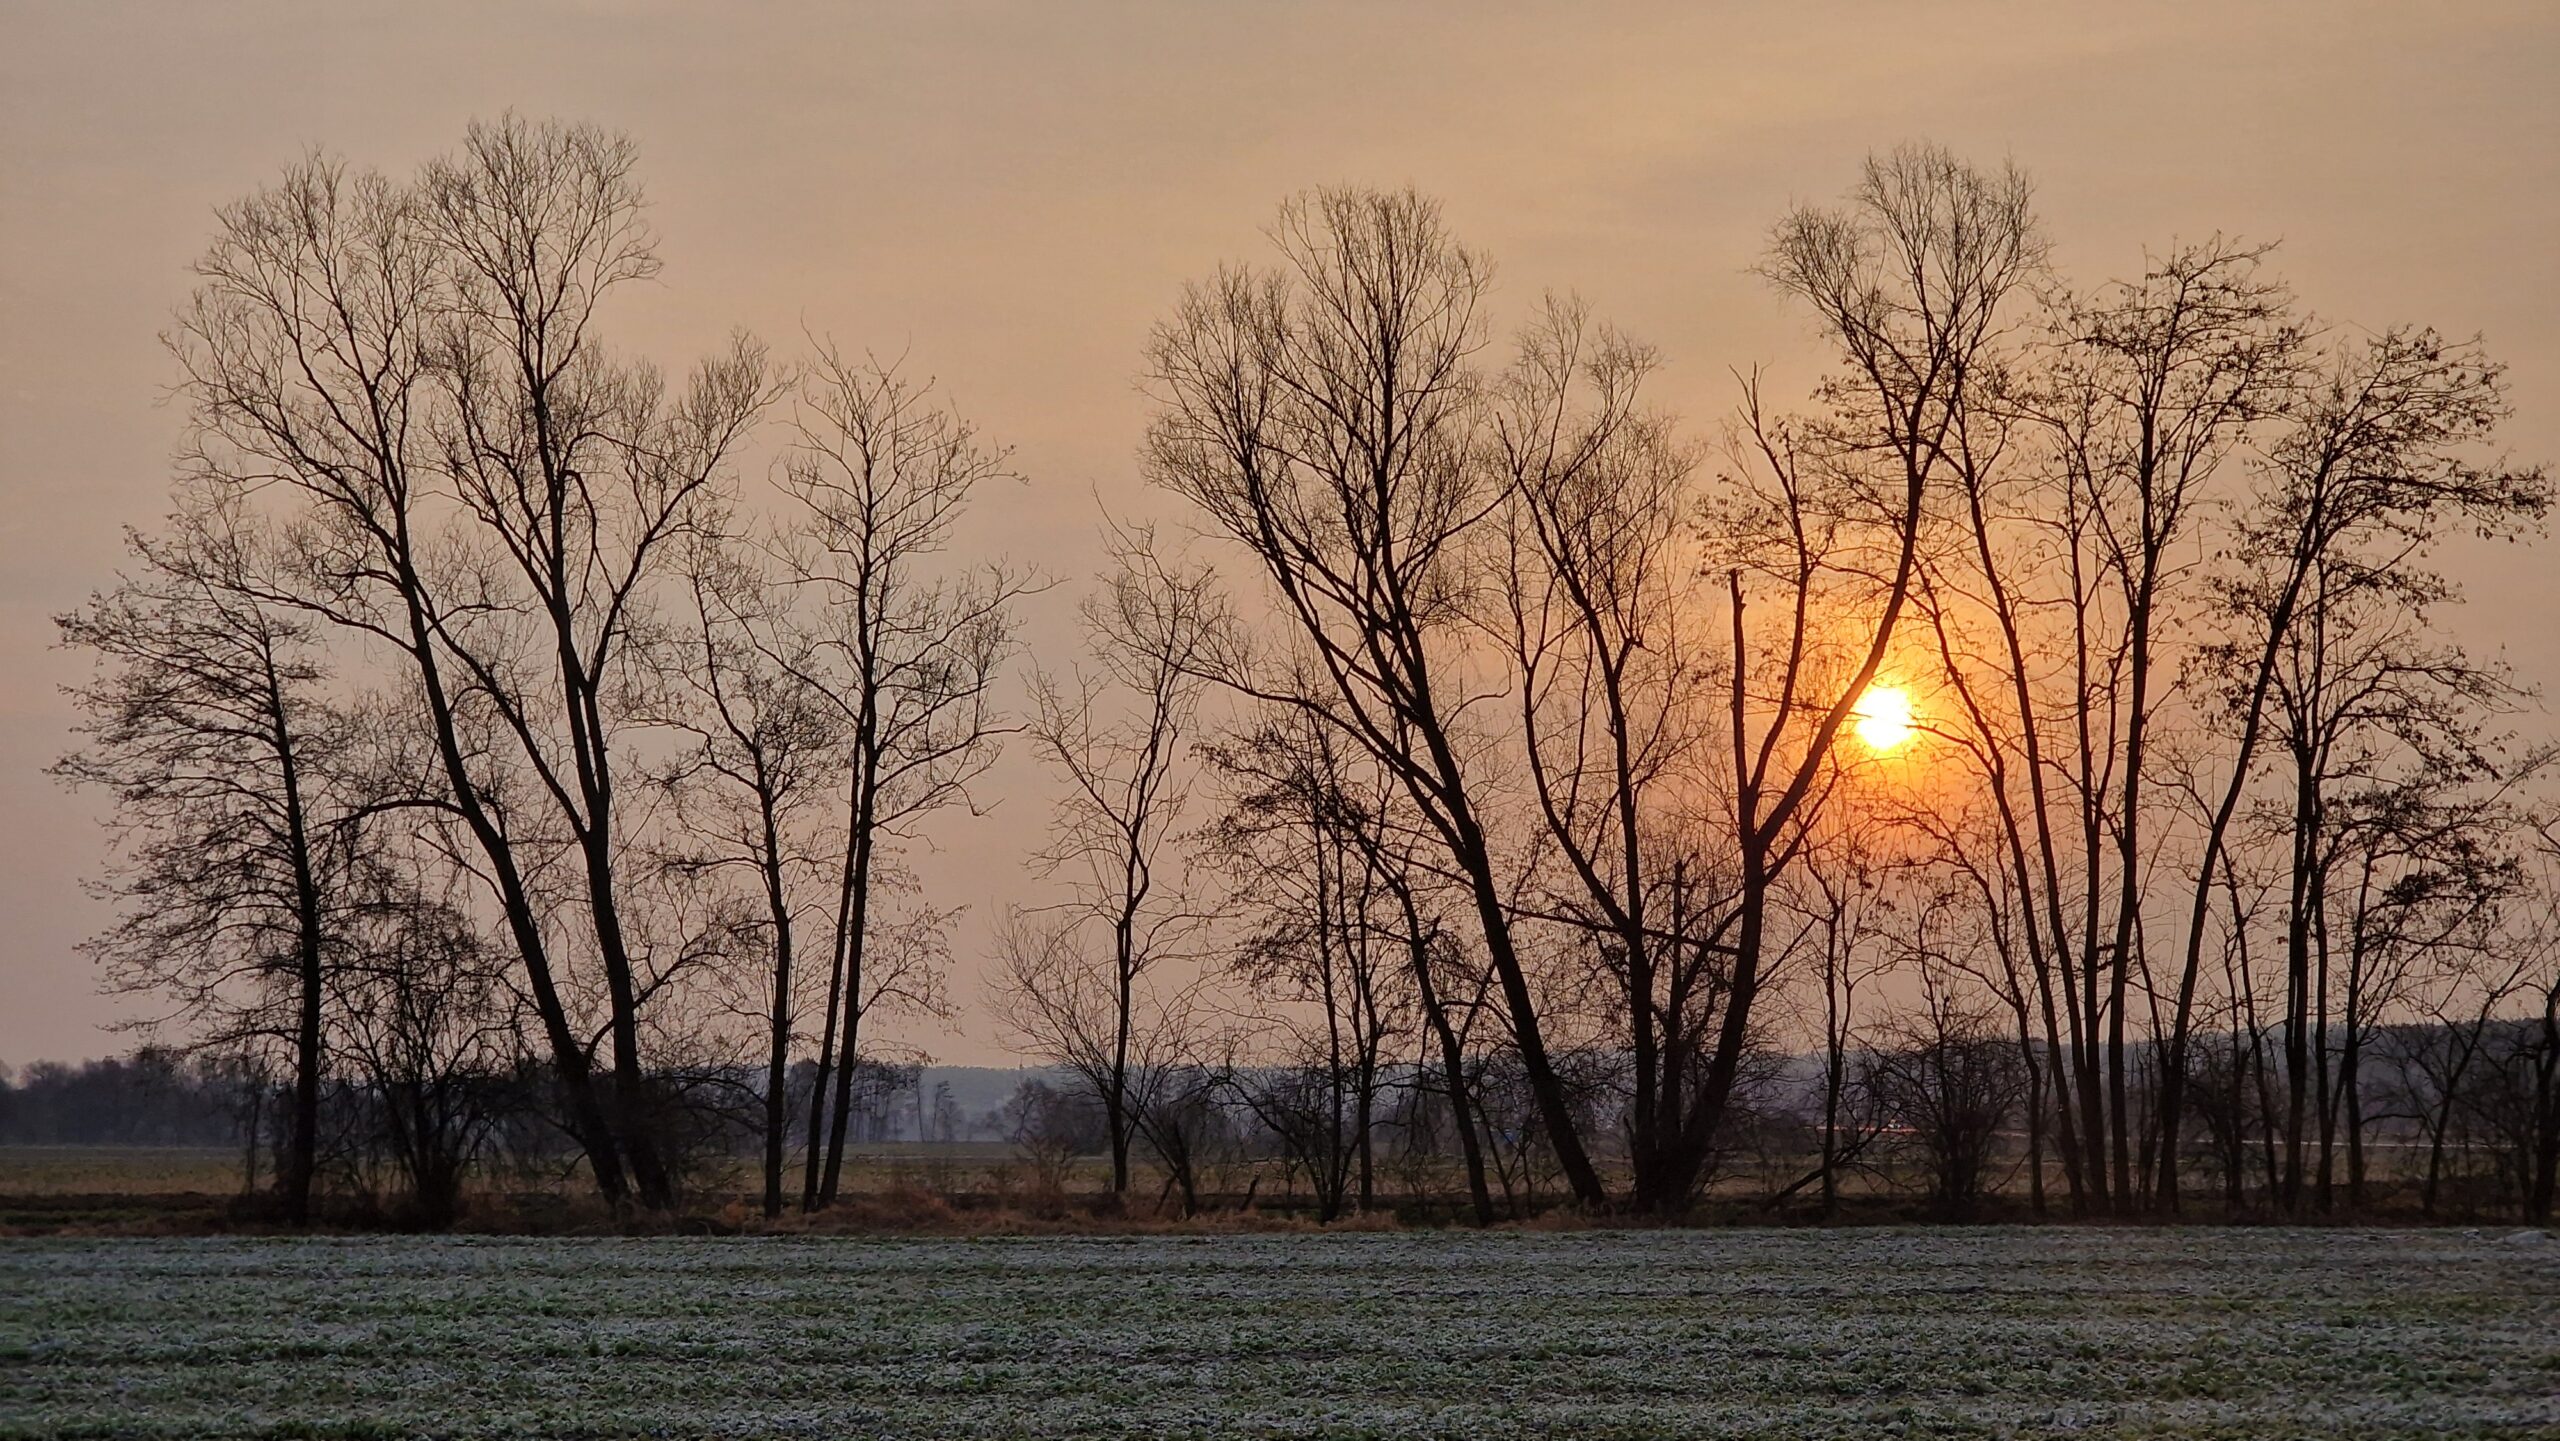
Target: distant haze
{"x":1012,"y":193}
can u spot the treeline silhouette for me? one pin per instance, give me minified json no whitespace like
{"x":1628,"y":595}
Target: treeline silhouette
{"x":154,"y":1097}
{"x":1933,"y":1128}
{"x":2050,"y":731}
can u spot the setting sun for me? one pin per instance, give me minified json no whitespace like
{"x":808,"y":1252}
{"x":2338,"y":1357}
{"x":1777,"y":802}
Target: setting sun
{"x":1884,"y":717}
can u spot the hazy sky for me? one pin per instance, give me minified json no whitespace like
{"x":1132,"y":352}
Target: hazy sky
{"x":1012,"y":193}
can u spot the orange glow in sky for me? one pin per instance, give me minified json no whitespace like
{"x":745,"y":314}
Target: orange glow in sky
{"x":1884,"y":717}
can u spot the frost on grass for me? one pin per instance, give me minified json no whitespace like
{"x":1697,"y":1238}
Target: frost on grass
{"x":1691,"y":1334}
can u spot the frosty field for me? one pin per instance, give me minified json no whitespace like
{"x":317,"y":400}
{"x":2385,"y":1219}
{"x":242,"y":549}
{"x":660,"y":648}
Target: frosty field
{"x":2334,"y":1334}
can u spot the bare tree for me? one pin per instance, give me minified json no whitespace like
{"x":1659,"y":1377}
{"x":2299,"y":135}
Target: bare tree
{"x":1613,"y":690}
{"x":1133,"y":1048}
{"x":1840,"y":897}
{"x":1325,"y":415}
{"x":1328,"y":946}
{"x":210,"y":729}
{"x":2082,"y":482}
{"x":1075,"y":978}
{"x":766,"y":751}
{"x":1050,"y":1127}
{"x":1181,"y":1108}
{"x":469,"y":718}
{"x":488,"y":496}
{"x":1362,"y":841}
{"x":425,"y":1023}
{"x":2542,"y":945}
{"x":2426,"y":872}
{"x":1954,"y":1082}
{"x":2153,"y":385}
{"x":2374,"y":466}
{"x":584,"y":478}
{"x":1910,"y":278}
{"x":907,"y":655}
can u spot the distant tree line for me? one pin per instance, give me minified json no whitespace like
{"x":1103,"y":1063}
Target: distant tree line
{"x":154,"y":1097}
{"x":2051,"y":726}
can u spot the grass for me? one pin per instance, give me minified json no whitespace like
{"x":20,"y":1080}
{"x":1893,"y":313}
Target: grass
{"x":119,"y":1170}
{"x":1984,"y":1332}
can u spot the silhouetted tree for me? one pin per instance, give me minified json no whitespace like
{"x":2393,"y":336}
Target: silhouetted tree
{"x":766,"y":749}
{"x":1325,"y":415}
{"x":907,"y":657}
{"x":479,"y":488}
{"x":1911,"y":278}
{"x":1073,"y":980}
{"x":210,"y":728}
{"x":2374,"y":465}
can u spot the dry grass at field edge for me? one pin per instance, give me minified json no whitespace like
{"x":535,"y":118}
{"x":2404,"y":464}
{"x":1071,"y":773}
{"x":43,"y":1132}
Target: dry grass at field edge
{"x":144,"y":1191}
{"x":920,"y":1213}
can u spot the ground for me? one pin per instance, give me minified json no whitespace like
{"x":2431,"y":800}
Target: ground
{"x":2333,"y":1334}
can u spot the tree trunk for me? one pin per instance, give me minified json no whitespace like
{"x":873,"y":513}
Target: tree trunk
{"x":302,"y":1151}
{"x":855,"y":907}
{"x":777,"y":1075}
{"x":1453,"y":1065}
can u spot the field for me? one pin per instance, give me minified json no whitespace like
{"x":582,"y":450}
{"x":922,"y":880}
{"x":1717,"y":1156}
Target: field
{"x":2006,"y":1332}
{"x":119,"y":1170}
{"x":193,"y":1190}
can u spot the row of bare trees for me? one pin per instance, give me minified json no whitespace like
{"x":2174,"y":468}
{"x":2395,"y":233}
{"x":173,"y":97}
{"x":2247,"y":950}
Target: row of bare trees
{"x":462,"y":616}
{"x":1498,"y":757}
{"x":2149,"y":560}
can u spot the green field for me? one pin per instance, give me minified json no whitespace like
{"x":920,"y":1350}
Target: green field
{"x":2006,"y":1332}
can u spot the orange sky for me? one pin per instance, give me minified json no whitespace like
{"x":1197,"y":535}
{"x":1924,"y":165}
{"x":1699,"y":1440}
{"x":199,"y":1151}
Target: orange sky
{"x":1014,"y":192}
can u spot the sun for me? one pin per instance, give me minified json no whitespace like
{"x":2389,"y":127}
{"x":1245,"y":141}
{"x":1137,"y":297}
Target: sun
{"x":1884,"y":717}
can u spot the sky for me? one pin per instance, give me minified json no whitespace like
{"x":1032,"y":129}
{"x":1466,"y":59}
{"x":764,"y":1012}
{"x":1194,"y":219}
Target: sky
{"x":1010,"y":194}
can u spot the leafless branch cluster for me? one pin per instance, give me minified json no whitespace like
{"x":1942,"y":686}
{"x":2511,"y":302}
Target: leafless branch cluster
{"x":1504,"y":779}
